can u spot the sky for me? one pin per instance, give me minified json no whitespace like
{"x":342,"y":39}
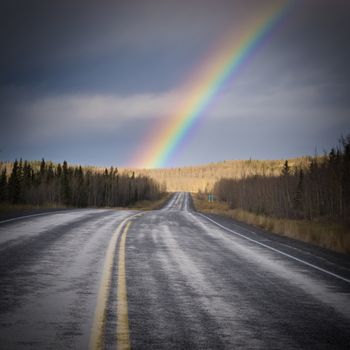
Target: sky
{"x":89,"y":81}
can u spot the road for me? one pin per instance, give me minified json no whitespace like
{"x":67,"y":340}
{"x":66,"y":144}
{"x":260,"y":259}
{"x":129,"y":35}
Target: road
{"x":166,"y":279}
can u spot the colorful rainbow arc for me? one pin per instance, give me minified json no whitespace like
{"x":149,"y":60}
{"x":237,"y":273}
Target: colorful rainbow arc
{"x":209,"y":79}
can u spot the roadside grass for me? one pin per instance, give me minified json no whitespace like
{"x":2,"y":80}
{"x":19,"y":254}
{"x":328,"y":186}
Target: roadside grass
{"x":333,"y":236}
{"x":6,"y":208}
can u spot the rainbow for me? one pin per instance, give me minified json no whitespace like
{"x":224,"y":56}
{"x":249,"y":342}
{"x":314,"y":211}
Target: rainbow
{"x":219,"y":68}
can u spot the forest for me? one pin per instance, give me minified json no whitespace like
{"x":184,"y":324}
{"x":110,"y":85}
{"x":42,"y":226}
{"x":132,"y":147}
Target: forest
{"x":48,"y":184}
{"x":319,"y":190}
{"x":305,"y":188}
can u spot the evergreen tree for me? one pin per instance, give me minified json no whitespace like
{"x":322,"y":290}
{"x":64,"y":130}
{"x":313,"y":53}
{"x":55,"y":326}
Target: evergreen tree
{"x":27,"y":175}
{"x":14,"y":187}
{"x":286,"y":169}
{"x":59,"y":170}
{"x":345,"y":179}
{"x":81,"y":189}
{"x":65,"y":183}
{"x":3,"y":186}
{"x":50,"y":173}
{"x":42,"y":170}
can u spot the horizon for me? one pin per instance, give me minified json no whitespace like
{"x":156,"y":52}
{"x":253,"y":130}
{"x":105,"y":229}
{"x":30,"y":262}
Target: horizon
{"x":74,"y":164}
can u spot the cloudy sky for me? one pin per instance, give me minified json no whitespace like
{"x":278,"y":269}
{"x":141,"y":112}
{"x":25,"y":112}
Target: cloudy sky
{"x":87,"y":81}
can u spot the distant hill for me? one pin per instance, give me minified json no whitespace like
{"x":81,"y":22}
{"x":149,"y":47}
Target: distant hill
{"x":203,"y":177}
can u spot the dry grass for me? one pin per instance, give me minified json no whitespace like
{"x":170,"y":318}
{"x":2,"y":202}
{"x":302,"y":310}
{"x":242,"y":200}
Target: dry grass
{"x":333,"y":236}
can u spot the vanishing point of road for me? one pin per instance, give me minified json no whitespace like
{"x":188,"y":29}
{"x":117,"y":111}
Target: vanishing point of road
{"x":166,"y":279}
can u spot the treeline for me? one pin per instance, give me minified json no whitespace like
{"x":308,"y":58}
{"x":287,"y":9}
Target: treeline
{"x":320,"y":190}
{"x":45,"y":183}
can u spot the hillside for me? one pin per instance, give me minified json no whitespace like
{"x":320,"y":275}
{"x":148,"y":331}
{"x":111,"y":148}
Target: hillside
{"x":203,"y":177}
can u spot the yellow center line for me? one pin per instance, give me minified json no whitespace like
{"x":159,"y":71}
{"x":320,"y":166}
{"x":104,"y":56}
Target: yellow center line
{"x":123,"y":337}
{"x":98,"y":327}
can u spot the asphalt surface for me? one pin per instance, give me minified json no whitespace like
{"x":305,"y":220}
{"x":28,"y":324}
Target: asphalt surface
{"x":166,"y":279}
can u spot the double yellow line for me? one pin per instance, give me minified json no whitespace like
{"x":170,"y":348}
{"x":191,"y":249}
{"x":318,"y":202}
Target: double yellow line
{"x":99,"y":323}
{"x":123,"y":340}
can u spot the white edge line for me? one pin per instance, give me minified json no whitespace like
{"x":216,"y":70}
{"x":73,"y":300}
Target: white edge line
{"x":40,"y":214}
{"x":277,"y":251}
{"x":32,"y":215}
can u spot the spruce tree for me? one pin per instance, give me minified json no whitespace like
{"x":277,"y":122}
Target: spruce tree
{"x":50,"y":173}
{"x":15,"y":183}
{"x":59,"y":170}
{"x":345,"y":180}
{"x":3,"y":186}
{"x":42,"y":170}
{"x":65,"y":185}
{"x":286,"y":169}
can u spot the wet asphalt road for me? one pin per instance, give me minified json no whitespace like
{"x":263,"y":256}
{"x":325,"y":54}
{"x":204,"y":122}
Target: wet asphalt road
{"x":50,"y":271}
{"x":192,"y":282}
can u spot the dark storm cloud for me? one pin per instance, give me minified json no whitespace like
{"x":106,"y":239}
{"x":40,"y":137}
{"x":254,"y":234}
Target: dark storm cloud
{"x":317,"y":40}
{"x":118,"y":45}
{"x":50,"y":42}
{"x":45,"y":37}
